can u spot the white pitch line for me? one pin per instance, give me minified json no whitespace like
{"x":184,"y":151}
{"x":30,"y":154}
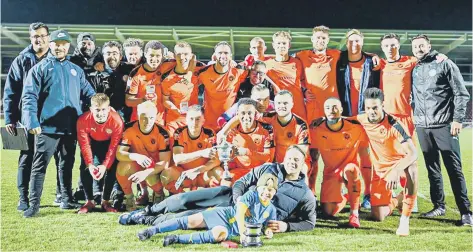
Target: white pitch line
{"x":428,"y":199}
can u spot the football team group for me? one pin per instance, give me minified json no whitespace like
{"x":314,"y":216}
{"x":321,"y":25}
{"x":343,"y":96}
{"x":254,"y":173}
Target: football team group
{"x":157,"y":118}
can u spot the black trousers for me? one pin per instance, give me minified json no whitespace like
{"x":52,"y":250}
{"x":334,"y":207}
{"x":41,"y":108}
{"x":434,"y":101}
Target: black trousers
{"x":25,"y":162}
{"x":188,"y":203}
{"x":435,"y":142}
{"x":46,"y":146}
{"x":99,"y":151}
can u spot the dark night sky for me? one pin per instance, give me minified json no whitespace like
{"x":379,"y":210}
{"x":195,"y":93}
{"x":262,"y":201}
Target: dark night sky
{"x":394,"y":14}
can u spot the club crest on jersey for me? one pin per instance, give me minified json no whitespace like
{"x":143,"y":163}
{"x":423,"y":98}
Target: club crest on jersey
{"x":346,"y":136}
{"x":153,"y":141}
{"x":73,"y":72}
{"x":289,"y":135}
{"x":294,"y":67}
{"x":231,"y":78}
{"x":108,"y":131}
{"x":382,"y":131}
{"x":158,"y":73}
{"x":199,"y":145}
{"x":400,"y":65}
{"x":257,"y":140}
{"x":265,"y":214}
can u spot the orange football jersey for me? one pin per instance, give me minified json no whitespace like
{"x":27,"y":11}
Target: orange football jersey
{"x":288,"y":75}
{"x":220,"y":91}
{"x":180,"y":91}
{"x":205,"y":140}
{"x":294,"y":132}
{"x":338,"y":148}
{"x":396,"y":82}
{"x":320,"y":74}
{"x":256,"y":142}
{"x":142,"y":81}
{"x":150,"y":144}
{"x":385,"y":140}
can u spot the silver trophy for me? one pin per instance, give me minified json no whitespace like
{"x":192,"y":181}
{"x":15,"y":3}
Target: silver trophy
{"x":224,"y":151}
{"x":253,"y":235}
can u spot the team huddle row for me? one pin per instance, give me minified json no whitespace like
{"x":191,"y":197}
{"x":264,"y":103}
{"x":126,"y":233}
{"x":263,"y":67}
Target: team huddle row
{"x":144,"y":122}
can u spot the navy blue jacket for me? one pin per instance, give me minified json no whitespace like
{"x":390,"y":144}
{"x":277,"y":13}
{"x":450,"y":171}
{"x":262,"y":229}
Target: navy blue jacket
{"x":369,"y":78}
{"x":14,"y":84}
{"x":294,"y":201}
{"x":52,"y":94}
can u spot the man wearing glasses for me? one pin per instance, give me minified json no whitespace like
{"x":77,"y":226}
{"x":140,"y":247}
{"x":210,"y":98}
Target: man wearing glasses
{"x":30,"y":56}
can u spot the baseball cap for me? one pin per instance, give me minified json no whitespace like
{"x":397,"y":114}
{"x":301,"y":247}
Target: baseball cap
{"x":85,"y":35}
{"x":60,"y":35}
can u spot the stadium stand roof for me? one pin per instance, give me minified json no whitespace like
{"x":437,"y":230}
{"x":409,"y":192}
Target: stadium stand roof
{"x":456,"y":44}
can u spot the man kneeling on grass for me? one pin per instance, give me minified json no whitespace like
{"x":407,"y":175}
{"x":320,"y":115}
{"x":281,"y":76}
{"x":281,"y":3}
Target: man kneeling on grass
{"x":143,"y":153}
{"x":99,"y":132}
{"x":223,"y":223}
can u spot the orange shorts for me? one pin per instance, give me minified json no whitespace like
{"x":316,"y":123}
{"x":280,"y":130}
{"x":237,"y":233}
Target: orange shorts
{"x":331,"y":189}
{"x":380,"y":196}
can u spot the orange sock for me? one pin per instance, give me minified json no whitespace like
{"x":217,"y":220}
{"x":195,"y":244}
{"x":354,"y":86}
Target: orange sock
{"x":125,"y":184}
{"x":354,"y":188}
{"x":366,"y":174}
{"x":408,"y":204}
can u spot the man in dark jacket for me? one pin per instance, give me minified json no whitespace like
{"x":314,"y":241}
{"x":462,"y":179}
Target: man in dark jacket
{"x":86,"y":55}
{"x":294,"y":201}
{"x":30,"y":56}
{"x":355,"y":74}
{"x":113,"y":79}
{"x":51,"y":105}
{"x":440,"y":100}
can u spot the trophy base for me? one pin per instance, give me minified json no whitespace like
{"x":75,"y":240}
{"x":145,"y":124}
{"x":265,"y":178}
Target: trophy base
{"x":252,"y":244}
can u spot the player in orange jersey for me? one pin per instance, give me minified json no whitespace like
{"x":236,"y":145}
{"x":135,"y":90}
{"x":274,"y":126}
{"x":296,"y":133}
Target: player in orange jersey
{"x":180,"y":87}
{"x":286,"y":71}
{"x":288,"y":128}
{"x":193,"y":154}
{"x":221,"y":83}
{"x":340,"y":142}
{"x":393,"y":154}
{"x":143,"y":153}
{"x":145,"y":80}
{"x":320,"y":76}
{"x":253,"y":140}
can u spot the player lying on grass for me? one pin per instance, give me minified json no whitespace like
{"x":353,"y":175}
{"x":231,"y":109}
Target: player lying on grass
{"x":294,"y":202}
{"x":223,"y":223}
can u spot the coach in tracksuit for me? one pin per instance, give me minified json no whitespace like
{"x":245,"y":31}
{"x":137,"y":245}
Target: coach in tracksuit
{"x":440,"y":100}
{"x":51,"y":105}
{"x":30,"y":56}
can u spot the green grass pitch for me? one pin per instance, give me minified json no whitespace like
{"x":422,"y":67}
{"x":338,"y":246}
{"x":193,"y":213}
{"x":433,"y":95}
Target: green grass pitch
{"x":60,"y":230}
